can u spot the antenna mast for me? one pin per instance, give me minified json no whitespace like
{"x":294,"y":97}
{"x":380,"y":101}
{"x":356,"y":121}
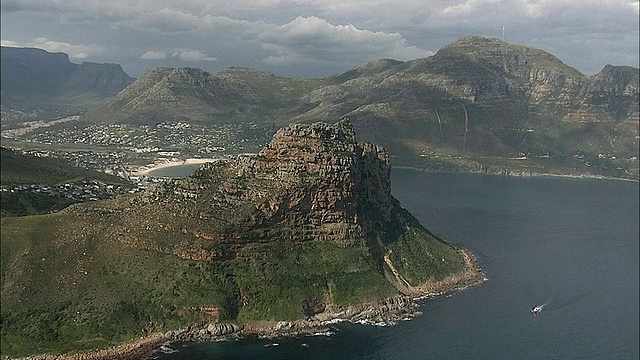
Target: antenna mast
{"x":504,"y":28}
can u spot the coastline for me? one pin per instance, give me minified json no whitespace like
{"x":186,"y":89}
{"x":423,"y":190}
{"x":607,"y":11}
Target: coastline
{"x":147,"y":169}
{"x":471,"y":275}
{"x":522,"y":175}
{"x":383,"y":312}
{"x":137,"y":349}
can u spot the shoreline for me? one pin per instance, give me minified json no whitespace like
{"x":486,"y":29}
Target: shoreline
{"x":145,"y":170}
{"x":520,"y":175}
{"x":137,"y":349}
{"x":383,"y":312}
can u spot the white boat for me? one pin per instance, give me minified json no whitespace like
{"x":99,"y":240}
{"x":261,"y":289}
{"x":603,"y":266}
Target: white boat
{"x":535,"y":310}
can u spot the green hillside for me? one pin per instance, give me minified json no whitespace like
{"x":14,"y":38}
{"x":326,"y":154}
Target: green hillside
{"x":18,"y":169}
{"x":23,"y":177}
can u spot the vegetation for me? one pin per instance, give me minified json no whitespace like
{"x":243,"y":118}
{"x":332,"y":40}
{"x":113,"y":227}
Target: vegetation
{"x":20,"y":169}
{"x":420,"y":257}
{"x":104,"y":292}
{"x":27,"y":203}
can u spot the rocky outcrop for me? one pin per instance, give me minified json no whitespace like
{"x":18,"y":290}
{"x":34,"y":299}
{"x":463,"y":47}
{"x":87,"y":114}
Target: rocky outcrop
{"x":329,"y":179}
{"x":302,"y":234}
{"x":203,"y":332}
{"x":385,"y":311}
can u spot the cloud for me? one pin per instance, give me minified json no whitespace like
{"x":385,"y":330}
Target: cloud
{"x":182,"y":54}
{"x":77,"y":51}
{"x":154,"y":55}
{"x":328,"y":35}
{"x":192,"y":55}
{"x":311,"y":39}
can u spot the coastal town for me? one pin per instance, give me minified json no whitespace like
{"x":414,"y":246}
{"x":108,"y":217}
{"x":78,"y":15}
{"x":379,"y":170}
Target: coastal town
{"x":83,"y":191}
{"x":128,"y":151}
{"x":178,"y":138}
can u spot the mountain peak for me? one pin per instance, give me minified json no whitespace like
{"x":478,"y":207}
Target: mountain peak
{"x":36,"y":81}
{"x":243,"y":71}
{"x":368,"y":69}
{"x":511,"y":57}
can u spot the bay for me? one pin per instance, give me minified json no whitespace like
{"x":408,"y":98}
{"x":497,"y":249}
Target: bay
{"x":570,"y":244}
{"x":176,"y":171}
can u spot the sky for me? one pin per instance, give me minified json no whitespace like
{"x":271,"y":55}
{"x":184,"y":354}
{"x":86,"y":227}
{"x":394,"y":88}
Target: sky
{"x":314,"y":38}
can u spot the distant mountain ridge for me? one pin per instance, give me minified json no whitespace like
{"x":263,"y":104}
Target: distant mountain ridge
{"x":35,"y":81}
{"x":477,"y":104}
{"x":193,"y":95}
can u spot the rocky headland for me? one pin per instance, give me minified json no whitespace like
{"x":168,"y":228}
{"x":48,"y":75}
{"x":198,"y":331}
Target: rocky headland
{"x":288,"y":241}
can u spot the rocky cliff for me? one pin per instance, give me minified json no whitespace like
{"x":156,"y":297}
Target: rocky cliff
{"x":331,"y":178}
{"x":303,"y":232}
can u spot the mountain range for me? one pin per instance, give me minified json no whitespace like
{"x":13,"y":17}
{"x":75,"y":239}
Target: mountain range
{"x":478,"y":104}
{"x":37,"y":84}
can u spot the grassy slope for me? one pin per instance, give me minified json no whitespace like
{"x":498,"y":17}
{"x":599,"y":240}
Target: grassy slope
{"x":20,"y":169}
{"x":81,"y":280}
{"x":64,"y":288}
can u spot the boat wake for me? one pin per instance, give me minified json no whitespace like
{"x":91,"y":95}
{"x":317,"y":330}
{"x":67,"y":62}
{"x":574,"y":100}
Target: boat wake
{"x":538,"y":308}
{"x":577,"y":298}
{"x":556,"y":306}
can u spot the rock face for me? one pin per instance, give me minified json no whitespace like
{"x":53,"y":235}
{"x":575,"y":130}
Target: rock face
{"x":613,"y":91}
{"x":203,"y":332}
{"x":332,"y":178}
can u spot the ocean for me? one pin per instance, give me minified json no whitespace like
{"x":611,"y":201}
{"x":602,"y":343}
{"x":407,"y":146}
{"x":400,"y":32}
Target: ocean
{"x":570,"y":245}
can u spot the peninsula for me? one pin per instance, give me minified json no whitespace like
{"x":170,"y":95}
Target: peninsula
{"x":281,"y":242}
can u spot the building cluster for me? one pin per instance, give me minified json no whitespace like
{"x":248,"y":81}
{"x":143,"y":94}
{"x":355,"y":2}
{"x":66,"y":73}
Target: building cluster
{"x":185,"y":138}
{"x":119,"y":149}
{"x":82,"y":191}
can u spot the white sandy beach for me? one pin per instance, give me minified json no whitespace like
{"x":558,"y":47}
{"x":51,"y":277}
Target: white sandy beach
{"x":147,"y":169}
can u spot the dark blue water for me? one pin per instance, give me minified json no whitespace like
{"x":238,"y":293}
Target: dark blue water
{"x":570,"y":243}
